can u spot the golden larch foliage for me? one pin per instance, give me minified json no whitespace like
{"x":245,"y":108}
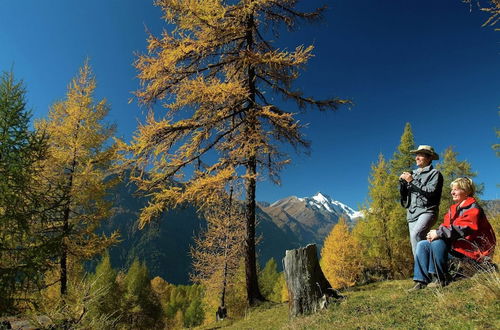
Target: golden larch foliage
{"x":217,"y":253}
{"x":216,"y":75}
{"x":340,"y":257}
{"x":78,"y":164}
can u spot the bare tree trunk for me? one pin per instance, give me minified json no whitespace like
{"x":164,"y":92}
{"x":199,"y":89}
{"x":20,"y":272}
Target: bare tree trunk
{"x":222,"y":310}
{"x":308,"y":289}
{"x":64,"y":255}
{"x":67,"y":209}
{"x":253,"y":292}
{"x":221,"y":313}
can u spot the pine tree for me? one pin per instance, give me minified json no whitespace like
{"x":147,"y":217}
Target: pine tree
{"x":340,"y":257}
{"x":23,"y":252}
{"x":452,"y":168}
{"x":268,"y":277}
{"x":215,"y":73}
{"x":78,"y":162}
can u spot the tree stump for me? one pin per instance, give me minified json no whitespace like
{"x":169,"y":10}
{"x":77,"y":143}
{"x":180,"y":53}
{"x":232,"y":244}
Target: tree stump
{"x":308,"y":289}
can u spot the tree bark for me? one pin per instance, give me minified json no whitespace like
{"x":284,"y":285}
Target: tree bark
{"x":67,"y":210}
{"x":308,"y":289}
{"x":222,"y":310}
{"x":64,"y":255}
{"x":253,"y":292}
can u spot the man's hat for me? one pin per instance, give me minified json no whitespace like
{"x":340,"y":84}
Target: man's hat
{"x":424,"y":149}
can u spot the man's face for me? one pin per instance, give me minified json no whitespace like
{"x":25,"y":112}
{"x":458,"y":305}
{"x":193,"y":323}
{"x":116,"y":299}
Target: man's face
{"x":422,"y":159}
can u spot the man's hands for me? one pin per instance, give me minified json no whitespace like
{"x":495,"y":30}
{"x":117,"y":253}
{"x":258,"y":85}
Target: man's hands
{"x":406,"y":176}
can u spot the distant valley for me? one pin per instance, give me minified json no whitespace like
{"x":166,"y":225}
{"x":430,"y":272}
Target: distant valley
{"x":164,"y":245}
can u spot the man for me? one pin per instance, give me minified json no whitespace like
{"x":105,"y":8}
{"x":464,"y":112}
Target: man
{"x":421,"y":194}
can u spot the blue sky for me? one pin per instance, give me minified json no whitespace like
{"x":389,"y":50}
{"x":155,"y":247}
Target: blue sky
{"x":426,"y":62}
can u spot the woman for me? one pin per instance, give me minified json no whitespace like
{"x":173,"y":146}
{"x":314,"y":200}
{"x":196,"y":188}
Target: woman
{"x":465,"y":233}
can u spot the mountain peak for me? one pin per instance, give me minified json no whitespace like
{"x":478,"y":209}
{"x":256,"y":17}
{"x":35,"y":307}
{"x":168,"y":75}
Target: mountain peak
{"x":285,"y":201}
{"x":319,"y":202}
{"x":321,"y":198}
{"x":325,"y":202}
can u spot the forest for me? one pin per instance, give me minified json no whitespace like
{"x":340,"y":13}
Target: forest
{"x":220,"y":132}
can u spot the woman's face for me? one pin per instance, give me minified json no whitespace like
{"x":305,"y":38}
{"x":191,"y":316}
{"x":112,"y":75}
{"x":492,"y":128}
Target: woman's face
{"x":458,"y":194}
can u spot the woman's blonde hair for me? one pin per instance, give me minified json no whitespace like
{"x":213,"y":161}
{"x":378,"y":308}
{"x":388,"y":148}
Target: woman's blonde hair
{"x":465,"y":184}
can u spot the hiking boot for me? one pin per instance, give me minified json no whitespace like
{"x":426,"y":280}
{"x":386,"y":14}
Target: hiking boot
{"x":436,"y":283}
{"x":418,"y":286}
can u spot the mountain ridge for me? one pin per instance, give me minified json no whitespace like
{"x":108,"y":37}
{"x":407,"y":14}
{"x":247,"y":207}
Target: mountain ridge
{"x":310,"y":218}
{"x":164,"y":244}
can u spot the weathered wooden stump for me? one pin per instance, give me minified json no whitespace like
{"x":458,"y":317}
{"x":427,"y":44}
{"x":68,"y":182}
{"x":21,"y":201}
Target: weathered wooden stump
{"x":308,"y":289}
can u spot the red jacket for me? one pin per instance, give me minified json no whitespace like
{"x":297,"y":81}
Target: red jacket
{"x":468,"y":230}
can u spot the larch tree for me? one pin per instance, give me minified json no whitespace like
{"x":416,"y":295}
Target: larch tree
{"x":492,"y":7}
{"x":268,"y":277}
{"x":23,"y":252}
{"x":401,"y":161}
{"x":373,"y":232}
{"x":140,"y":306}
{"x":496,"y":146}
{"x":452,"y":168}
{"x":384,"y":232}
{"x":340,"y":257}
{"x":236,"y":294}
{"x":78,"y":165}
{"x":194,"y":315}
{"x":386,"y":219}
{"x":217,"y":251}
{"x":280,"y":290}
{"x":216,"y":74}
{"x":105,"y":290}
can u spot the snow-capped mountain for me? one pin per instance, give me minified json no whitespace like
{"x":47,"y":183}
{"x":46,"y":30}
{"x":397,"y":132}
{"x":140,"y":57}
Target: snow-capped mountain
{"x":287,"y":224}
{"x":324,"y":202}
{"x":309,"y":218}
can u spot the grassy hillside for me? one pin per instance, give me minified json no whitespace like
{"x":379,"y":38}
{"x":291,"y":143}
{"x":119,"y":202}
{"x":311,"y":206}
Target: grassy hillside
{"x":466,"y":304}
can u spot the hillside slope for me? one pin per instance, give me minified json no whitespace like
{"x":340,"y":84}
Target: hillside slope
{"x":466,"y":304}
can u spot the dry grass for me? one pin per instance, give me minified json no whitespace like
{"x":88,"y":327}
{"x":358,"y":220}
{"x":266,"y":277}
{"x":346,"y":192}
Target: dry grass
{"x":467,"y":304}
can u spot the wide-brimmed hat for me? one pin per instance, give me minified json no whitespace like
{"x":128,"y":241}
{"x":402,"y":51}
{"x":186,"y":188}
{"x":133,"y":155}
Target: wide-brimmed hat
{"x":425,"y":149}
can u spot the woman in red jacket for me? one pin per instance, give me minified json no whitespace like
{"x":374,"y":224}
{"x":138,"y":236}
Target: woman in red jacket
{"x":465,"y":233}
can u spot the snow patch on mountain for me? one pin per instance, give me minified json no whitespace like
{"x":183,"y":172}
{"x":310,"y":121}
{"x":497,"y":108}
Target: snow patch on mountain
{"x":324,"y":202}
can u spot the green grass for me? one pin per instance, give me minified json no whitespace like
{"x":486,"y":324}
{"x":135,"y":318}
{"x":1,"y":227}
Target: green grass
{"x":466,"y":304}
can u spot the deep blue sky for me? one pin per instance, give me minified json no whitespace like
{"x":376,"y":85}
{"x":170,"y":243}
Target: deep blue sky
{"x":427,"y":62}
